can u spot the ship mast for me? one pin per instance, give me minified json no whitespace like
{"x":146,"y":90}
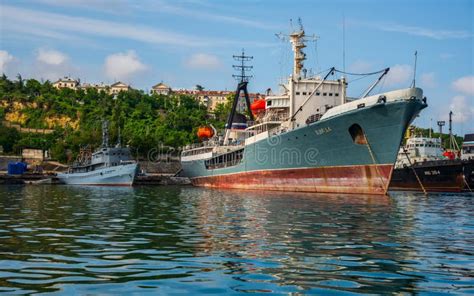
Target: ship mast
{"x":298,"y":41}
{"x":105,"y":134}
{"x":243,"y":79}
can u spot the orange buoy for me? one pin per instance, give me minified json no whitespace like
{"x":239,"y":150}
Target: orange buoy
{"x":257,"y":106}
{"x":205,"y":132}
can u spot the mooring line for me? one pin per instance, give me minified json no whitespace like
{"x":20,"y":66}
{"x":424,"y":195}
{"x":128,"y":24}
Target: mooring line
{"x":375,"y":163}
{"x":465,"y":182}
{"x":414,"y":171}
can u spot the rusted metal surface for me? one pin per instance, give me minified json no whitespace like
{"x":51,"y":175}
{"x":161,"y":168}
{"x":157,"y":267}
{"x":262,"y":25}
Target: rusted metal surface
{"x":366,"y":179}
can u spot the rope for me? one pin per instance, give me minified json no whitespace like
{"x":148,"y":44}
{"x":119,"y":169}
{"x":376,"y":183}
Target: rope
{"x":360,"y":74}
{"x":374,"y":161}
{"x":465,"y":182}
{"x":416,"y":175}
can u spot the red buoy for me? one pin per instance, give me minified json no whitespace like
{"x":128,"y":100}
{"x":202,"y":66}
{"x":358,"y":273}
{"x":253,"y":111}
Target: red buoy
{"x":205,"y":132}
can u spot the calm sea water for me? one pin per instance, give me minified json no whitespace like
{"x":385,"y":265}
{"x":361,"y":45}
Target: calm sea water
{"x":172,"y":240}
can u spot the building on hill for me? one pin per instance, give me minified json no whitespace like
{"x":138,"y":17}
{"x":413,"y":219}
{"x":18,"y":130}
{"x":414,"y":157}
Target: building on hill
{"x":211,"y":98}
{"x":99,"y":87}
{"x":161,"y":89}
{"x":66,"y":82}
{"x":34,"y":155}
{"x":118,"y":87}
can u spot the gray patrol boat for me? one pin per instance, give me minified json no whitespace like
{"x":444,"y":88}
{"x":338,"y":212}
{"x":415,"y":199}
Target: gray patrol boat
{"x":112,"y":166}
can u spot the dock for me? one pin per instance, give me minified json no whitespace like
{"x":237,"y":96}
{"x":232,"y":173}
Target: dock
{"x":37,"y":179}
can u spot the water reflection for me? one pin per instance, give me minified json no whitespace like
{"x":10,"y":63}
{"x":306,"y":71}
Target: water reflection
{"x":175,"y":240}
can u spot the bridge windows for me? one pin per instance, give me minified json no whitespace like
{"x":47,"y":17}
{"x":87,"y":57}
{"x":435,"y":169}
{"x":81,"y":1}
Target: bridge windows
{"x":225,"y":160}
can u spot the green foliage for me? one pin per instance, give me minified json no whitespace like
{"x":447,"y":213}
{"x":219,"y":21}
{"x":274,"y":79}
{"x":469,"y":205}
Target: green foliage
{"x":8,"y":138}
{"x":146,"y":121}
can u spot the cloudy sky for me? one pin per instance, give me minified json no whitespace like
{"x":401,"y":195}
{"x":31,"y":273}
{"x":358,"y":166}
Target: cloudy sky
{"x":184,"y":43}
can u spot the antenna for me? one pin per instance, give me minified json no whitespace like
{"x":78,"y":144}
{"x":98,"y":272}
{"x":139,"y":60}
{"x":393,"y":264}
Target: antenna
{"x":343,"y":42}
{"x":450,"y":129}
{"x":105,"y":134}
{"x":414,"y":72}
{"x":242,"y":77}
{"x":441,"y":124}
{"x":300,"y":23}
{"x":119,"y":138}
{"x":431,"y":126}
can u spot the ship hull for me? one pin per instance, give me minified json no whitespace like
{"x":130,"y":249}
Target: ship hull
{"x":468,"y":170}
{"x":435,"y":176}
{"x":365,"y":179}
{"x":121,"y":175}
{"x":319,"y":157}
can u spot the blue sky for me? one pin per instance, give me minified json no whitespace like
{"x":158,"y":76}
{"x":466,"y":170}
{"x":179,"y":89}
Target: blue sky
{"x":184,"y":43}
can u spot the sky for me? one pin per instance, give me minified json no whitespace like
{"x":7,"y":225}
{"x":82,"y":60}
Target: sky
{"x":188,"y":42}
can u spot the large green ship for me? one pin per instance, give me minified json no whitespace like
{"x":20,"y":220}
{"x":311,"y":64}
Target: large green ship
{"x":310,"y":138}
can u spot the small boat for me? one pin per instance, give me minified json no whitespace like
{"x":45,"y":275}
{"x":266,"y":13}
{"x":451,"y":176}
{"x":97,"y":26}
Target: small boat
{"x":111,"y":166}
{"x":467,"y":156}
{"x":423,"y":160}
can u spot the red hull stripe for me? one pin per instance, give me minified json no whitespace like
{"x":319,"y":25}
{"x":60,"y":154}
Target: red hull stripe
{"x":366,"y":179}
{"x":110,"y":185}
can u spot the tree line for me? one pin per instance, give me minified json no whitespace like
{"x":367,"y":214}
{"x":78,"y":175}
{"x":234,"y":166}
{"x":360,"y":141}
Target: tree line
{"x":146,"y":120}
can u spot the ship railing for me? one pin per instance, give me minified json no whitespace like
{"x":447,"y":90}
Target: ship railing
{"x":212,"y":144}
{"x":277,"y":130}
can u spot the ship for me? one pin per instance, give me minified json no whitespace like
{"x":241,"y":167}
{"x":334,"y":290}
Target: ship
{"x":312,"y":137}
{"x":467,"y":156}
{"x":422,"y":165}
{"x":107,"y":166}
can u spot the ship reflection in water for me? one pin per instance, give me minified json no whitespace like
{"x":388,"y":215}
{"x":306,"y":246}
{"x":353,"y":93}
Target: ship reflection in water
{"x":161,"y":240}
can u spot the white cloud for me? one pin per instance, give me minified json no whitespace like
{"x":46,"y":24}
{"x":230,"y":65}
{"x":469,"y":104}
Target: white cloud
{"x":57,"y":26}
{"x":203,"y":61}
{"x":5,"y":60}
{"x":360,"y":66}
{"x":446,"y":55}
{"x":428,"y":80}
{"x":162,"y":6}
{"x":463,"y":110}
{"x":399,"y":74}
{"x":185,"y":9}
{"x":51,"y":56}
{"x":441,"y":34}
{"x":464,"y":85}
{"x":122,"y":66}
{"x":51,"y":64}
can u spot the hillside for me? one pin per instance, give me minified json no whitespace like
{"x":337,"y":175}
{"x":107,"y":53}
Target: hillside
{"x":74,"y":116}
{"x":146,"y":121}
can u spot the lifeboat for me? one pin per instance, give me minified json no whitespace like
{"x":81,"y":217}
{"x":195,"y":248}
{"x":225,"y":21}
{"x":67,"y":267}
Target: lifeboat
{"x":257,"y":106}
{"x":205,"y":132}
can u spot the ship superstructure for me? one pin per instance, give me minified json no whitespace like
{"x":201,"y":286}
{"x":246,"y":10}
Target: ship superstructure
{"x":108,"y":165}
{"x":311,"y":137}
{"x":419,"y":149}
{"x":422,"y":165}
